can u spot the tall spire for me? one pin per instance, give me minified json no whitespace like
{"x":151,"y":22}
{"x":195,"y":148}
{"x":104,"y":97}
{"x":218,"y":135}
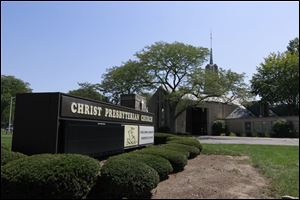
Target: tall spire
{"x":211,"y":55}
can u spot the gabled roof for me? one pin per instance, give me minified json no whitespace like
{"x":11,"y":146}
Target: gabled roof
{"x":240,"y":112}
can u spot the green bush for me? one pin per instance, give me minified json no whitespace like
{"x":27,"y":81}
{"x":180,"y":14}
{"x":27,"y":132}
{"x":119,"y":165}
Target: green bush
{"x":160,"y":164}
{"x":123,"y":178}
{"x":219,"y":127}
{"x":177,"y":159}
{"x":186,"y":141}
{"x":232,"y":134}
{"x":185,"y":152}
{"x":8,"y":156}
{"x":283,"y":129}
{"x":161,"y":138}
{"x":193,"y":151}
{"x":51,"y":176}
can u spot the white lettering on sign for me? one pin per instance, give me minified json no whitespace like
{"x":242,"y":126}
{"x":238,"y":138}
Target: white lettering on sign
{"x":146,"y":135}
{"x":146,"y":118}
{"x":85,"y":109}
{"x":112,"y":113}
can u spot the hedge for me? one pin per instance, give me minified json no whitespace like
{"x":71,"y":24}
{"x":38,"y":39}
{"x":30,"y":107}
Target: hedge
{"x":8,"y":156}
{"x":219,"y":127}
{"x":185,"y":152}
{"x":123,"y":178}
{"x":158,"y":163}
{"x":51,"y":176}
{"x":186,"y":141}
{"x":161,"y":138}
{"x":177,"y":159}
{"x":283,"y":129}
{"x":193,"y":151}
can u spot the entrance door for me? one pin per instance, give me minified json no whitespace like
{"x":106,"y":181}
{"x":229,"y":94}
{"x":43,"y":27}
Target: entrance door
{"x":196,"y":121}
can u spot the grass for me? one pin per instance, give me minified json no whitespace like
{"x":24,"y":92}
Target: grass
{"x":6,"y":139}
{"x":278,"y":163}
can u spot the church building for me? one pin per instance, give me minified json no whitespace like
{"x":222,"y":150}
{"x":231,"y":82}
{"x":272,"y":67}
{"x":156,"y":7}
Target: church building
{"x":198,"y":120}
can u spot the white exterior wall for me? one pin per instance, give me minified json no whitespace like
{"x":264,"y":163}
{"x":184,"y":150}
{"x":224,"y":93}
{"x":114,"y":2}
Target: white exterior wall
{"x":263,"y":124}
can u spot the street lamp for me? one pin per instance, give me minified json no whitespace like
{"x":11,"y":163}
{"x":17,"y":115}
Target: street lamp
{"x":10,"y":112}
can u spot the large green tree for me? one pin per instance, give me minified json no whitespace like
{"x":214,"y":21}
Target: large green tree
{"x":177,"y":67}
{"x":128,"y":78}
{"x":88,"y":90}
{"x":10,"y":86}
{"x":277,"y":78}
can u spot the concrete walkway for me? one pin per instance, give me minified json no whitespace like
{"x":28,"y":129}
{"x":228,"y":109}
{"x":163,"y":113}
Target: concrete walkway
{"x":247,"y":140}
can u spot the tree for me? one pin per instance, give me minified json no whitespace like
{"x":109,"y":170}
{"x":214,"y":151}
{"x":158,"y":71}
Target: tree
{"x":128,"y":78}
{"x":10,"y":86}
{"x":169,"y":65}
{"x":293,"y":46}
{"x":176,"y":67}
{"x":223,"y":85}
{"x":88,"y":90}
{"x":277,"y":80}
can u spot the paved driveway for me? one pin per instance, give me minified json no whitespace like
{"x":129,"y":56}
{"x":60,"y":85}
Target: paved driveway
{"x":247,"y":140}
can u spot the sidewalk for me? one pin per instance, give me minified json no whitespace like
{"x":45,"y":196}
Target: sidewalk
{"x":247,"y":140}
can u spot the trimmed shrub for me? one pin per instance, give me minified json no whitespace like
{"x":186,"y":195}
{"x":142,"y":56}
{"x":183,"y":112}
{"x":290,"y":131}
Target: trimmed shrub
{"x":8,"y":156}
{"x":218,"y":127}
{"x":186,"y":141}
{"x":161,"y":138}
{"x":185,"y":152}
{"x":51,"y":176}
{"x":160,"y":164}
{"x":283,"y":129}
{"x":194,"y":151}
{"x":122,"y":178}
{"x":177,"y":159}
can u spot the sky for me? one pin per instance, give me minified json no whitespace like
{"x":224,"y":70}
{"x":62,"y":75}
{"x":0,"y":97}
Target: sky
{"x":55,"y":45}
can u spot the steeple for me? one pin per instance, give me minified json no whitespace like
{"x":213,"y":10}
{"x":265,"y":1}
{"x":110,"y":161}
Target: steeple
{"x":211,"y":66}
{"x":211,"y":55}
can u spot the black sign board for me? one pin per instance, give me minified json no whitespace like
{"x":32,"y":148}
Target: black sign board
{"x":86,"y":109}
{"x":60,"y":123}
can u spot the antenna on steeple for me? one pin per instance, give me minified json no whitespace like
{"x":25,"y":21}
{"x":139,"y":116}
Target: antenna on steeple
{"x":211,"y":56}
{"x":210,"y":39}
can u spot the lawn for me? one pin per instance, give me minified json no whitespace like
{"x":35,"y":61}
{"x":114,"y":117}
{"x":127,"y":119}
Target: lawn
{"x":6,"y":139}
{"x":278,"y":163}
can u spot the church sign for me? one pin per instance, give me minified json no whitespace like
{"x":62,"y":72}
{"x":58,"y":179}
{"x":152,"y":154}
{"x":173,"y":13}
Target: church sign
{"x":60,"y":123}
{"x":79,"y":108}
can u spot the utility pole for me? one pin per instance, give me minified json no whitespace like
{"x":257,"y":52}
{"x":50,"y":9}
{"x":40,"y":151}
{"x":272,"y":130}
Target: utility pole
{"x":10,"y":113}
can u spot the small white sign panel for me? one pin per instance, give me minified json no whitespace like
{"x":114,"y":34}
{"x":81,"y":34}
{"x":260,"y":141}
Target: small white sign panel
{"x":146,"y":135}
{"x":131,"y":135}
